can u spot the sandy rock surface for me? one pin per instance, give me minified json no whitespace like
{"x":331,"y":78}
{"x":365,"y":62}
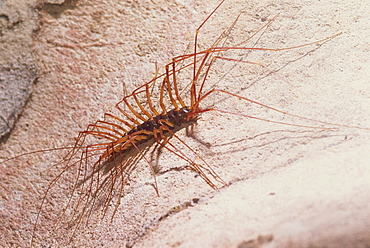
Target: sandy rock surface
{"x":18,"y":61}
{"x":286,"y":186}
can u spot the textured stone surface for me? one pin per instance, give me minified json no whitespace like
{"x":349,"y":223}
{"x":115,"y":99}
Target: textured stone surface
{"x":289,"y":187}
{"x":18,"y":62}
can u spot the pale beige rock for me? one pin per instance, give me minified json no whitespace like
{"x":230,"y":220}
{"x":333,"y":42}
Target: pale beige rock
{"x":289,"y":187}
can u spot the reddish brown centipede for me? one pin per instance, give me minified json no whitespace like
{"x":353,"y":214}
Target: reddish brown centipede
{"x":102,"y":168}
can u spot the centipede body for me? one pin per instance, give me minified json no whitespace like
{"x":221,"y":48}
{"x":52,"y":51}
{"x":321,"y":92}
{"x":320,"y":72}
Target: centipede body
{"x":82,"y":106}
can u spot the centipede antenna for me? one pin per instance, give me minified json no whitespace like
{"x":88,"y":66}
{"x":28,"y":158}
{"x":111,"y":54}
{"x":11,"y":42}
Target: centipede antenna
{"x":258,"y":31}
{"x":278,"y":49}
{"x":147,"y":121}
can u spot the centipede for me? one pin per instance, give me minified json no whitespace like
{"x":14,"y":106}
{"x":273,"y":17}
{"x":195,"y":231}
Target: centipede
{"x":100,"y":167}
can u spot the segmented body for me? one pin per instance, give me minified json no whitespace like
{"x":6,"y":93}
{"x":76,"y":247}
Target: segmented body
{"x":154,"y":128}
{"x":105,"y":154}
{"x":107,"y":151}
{"x":167,"y":121}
